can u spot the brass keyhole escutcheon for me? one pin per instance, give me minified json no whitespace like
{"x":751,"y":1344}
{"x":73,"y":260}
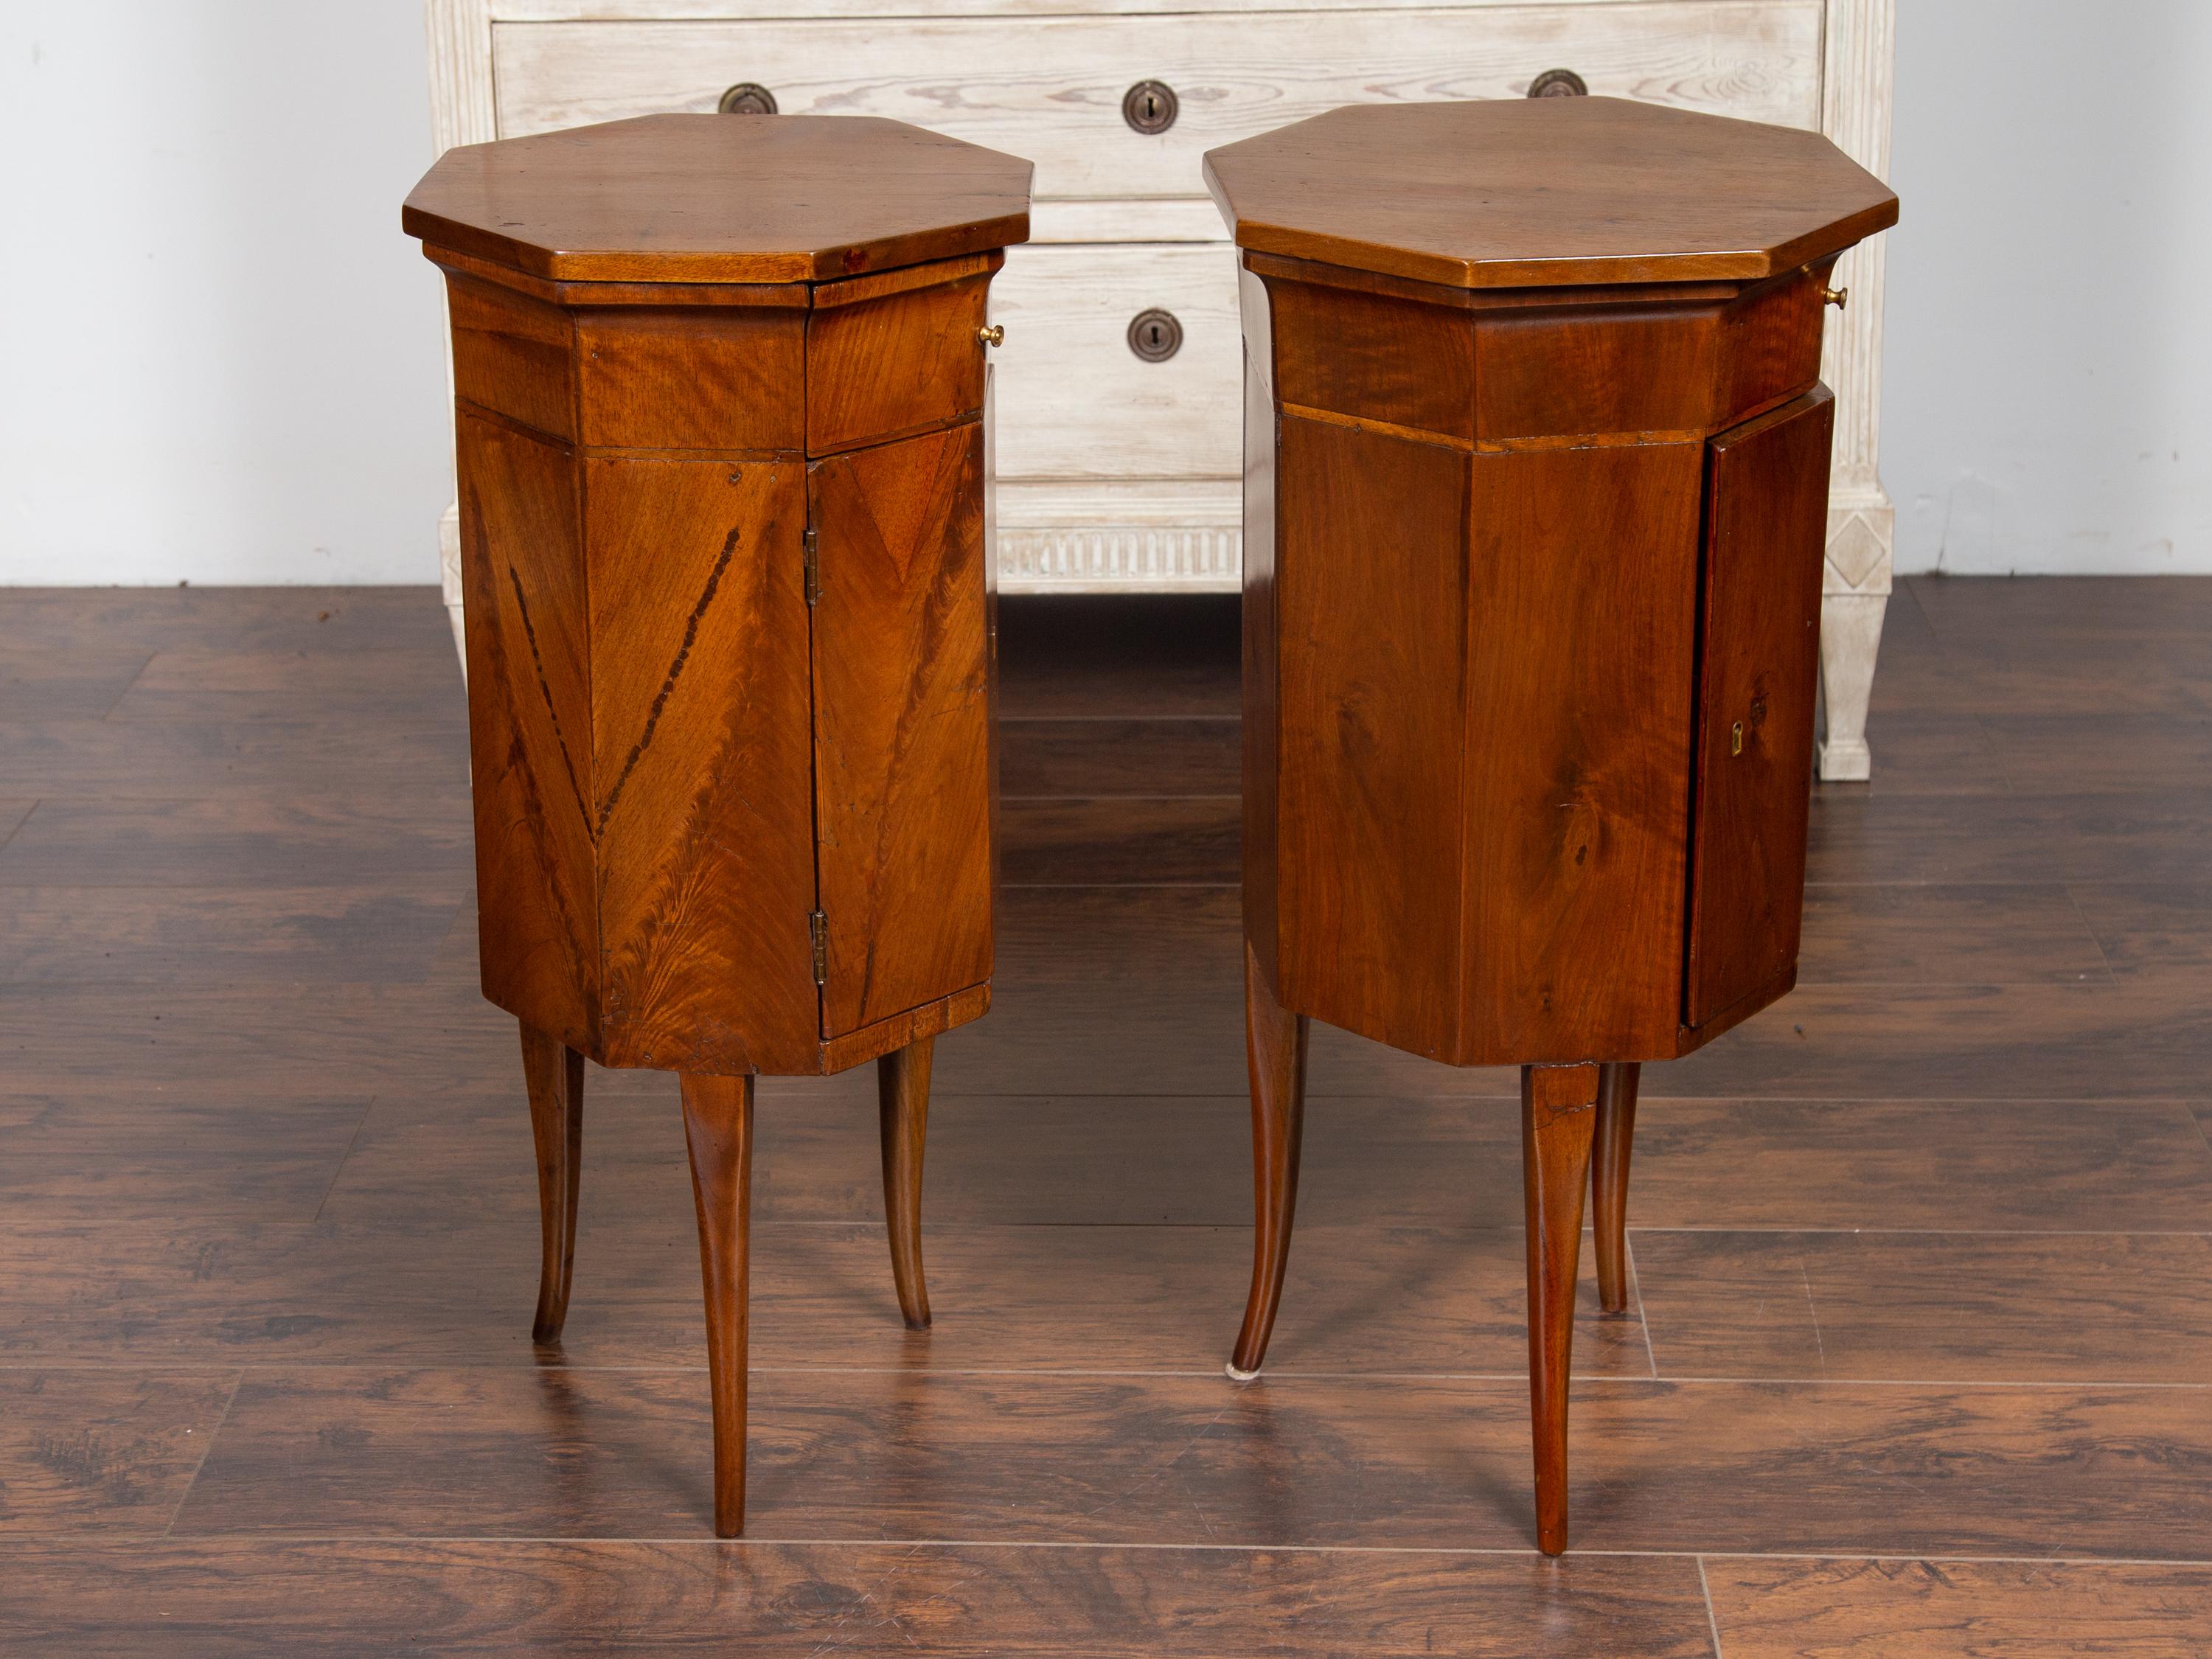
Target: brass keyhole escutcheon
{"x":1150,"y":106}
{"x":1558,"y":84}
{"x":1155,"y":335}
{"x":1735,"y":739}
{"x":747,"y":97}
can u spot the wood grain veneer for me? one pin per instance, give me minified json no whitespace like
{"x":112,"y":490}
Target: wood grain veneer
{"x":720,"y":388}
{"x":1534,"y":488}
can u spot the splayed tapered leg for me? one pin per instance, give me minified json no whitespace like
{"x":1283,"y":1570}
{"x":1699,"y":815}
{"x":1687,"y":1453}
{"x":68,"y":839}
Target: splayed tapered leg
{"x":1616,"y":1128}
{"x":1559,"y":1114}
{"x":902,"y":1091}
{"x":1275,"y":1058}
{"x":554,"y":1074}
{"x":717,"y":1128}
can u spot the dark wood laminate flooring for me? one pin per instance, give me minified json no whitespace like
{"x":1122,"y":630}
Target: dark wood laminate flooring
{"x":1919,"y":1362}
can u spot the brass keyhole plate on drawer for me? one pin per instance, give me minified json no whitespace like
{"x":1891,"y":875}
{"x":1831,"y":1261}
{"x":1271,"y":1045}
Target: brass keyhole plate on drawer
{"x":1155,"y":335}
{"x":1558,"y":84}
{"x":1150,"y":106}
{"x":747,"y":97}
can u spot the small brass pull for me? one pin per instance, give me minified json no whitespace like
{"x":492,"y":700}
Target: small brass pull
{"x":1835,"y":296}
{"x":1558,"y":84}
{"x":994,"y":335}
{"x":1735,"y":739}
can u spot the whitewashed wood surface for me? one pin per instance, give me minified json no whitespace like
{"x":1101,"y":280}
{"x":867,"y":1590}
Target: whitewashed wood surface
{"x":577,"y":11}
{"x":1074,"y":402}
{"x":1050,"y":88}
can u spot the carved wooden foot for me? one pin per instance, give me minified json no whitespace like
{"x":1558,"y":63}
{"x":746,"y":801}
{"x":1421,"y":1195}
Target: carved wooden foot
{"x":1558,"y":1113}
{"x":1275,"y":1058}
{"x":903,"y":1090}
{"x":554,"y":1074}
{"x":718,"y":1127}
{"x":1616,"y":1128}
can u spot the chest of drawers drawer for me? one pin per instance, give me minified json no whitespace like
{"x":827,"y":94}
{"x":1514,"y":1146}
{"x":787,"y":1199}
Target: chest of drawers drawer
{"x":1052,"y":88}
{"x":1079,"y":399}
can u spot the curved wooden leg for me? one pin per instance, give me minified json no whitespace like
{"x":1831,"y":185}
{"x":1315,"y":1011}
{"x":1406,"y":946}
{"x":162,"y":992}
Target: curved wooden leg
{"x":902,"y":1091}
{"x":1559,"y":1112}
{"x":1616,"y":1128}
{"x":1275,"y":1058}
{"x":717,"y":1128}
{"x":554,"y":1074}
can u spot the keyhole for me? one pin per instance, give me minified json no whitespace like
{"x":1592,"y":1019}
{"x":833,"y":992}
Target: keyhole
{"x":1735,"y":739}
{"x":1149,"y":106}
{"x":1155,"y":335}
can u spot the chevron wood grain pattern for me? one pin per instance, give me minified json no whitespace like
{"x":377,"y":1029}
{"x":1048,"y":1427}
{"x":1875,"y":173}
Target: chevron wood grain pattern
{"x":699,"y":798}
{"x":729,"y":822}
{"x":529,"y":729}
{"x":1922,"y":1281}
{"x":902,"y":687}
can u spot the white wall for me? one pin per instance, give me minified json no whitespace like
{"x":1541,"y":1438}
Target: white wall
{"x":220,"y":359}
{"x":2047,"y":396}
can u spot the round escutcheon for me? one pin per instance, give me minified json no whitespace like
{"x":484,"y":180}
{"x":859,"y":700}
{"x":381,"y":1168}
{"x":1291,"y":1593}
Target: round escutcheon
{"x":1155,"y":335}
{"x":1150,"y":106}
{"x":747,"y":97}
{"x":1558,"y":84}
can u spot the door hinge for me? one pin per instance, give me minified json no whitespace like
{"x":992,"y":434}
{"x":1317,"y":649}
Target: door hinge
{"x":813,"y":545}
{"x":819,"y":925}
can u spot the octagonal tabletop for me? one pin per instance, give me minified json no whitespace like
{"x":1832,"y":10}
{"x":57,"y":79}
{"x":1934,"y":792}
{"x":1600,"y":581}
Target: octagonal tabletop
{"x":1544,"y":192}
{"x":721,"y":199}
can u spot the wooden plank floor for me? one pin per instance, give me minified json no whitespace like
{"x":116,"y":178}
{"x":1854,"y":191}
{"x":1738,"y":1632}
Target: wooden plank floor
{"x":1920,"y":1361}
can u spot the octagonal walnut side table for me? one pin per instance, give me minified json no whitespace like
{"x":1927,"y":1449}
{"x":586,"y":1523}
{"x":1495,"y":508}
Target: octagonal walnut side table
{"x":720,"y":389}
{"x":1536,"y":464}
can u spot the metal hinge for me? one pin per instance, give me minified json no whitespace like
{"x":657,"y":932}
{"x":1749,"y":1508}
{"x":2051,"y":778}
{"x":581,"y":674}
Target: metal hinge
{"x":813,"y":565}
{"x":820,"y":926}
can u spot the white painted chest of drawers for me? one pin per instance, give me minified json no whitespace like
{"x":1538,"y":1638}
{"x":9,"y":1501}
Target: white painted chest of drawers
{"x":1117,"y":467}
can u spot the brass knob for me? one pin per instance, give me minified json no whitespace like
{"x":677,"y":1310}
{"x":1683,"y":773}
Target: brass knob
{"x":1155,"y":335}
{"x":747,"y":97}
{"x":1150,"y":106}
{"x":1558,"y":84}
{"x":994,"y":335}
{"x":1835,"y":296}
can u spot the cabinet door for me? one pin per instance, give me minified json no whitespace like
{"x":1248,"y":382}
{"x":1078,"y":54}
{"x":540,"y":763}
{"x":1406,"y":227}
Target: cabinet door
{"x":698,"y":762}
{"x":902,"y":724}
{"x":1766,"y":519}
